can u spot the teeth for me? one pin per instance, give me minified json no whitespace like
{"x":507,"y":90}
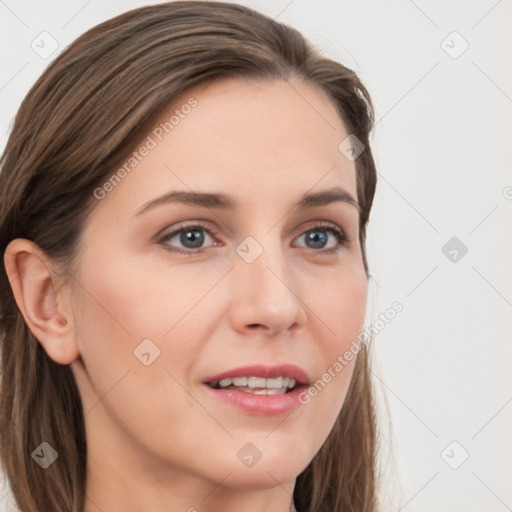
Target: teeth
{"x":258,"y":382}
{"x":279,"y":382}
{"x":280,"y":391}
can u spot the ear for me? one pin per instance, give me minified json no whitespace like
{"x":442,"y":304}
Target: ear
{"x":45,"y":311}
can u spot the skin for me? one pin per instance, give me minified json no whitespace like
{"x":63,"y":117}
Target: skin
{"x":156,"y":440}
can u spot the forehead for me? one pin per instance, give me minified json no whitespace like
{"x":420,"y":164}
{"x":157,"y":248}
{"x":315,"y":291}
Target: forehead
{"x":250,"y":115}
{"x":253,"y":138}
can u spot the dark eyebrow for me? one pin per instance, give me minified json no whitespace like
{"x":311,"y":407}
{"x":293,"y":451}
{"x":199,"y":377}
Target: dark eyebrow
{"x":225,"y":202}
{"x":325,"y":197}
{"x":204,"y":199}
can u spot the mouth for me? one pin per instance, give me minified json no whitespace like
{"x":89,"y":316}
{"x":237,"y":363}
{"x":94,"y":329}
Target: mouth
{"x":259,"y":390}
{"x":260,"y":380}
{"x":257,"y":385}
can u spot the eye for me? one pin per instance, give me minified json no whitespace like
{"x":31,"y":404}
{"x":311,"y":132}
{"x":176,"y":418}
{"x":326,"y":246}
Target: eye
{"x":190,"y":237}
{"x":318,"y":238}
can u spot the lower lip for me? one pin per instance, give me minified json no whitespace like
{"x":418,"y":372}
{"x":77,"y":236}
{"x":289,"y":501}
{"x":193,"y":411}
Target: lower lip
{"x":264,"y":405}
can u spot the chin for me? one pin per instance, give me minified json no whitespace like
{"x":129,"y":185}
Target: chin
{"x":273,"y":468}
{"x":261,"y":478}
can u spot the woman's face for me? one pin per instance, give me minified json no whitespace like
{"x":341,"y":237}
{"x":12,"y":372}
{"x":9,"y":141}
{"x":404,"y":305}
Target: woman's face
{"x":261,"y":280}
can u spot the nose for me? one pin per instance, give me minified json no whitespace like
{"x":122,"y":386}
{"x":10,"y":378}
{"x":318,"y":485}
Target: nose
{"x":264,"y":296}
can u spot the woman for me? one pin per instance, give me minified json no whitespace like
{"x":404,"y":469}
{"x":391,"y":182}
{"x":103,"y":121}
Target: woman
{"x":185,"y":195}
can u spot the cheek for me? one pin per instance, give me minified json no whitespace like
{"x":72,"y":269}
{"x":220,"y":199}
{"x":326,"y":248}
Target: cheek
{"x":115,"y":312}
{"x":122,"y":304}
{"x":341,"y":308}
{"x":113,"y":318}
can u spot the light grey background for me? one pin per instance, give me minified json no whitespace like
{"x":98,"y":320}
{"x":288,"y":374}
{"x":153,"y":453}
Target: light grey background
{"x":442,"y":147}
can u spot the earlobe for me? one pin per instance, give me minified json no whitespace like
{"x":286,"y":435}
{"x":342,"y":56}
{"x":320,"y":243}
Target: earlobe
{"x":34,"y":287}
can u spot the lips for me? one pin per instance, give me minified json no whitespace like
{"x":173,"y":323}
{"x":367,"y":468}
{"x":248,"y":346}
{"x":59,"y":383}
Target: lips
{"x":256,"y":389}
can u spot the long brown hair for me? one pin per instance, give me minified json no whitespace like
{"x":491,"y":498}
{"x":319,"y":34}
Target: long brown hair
{"x":88,"y":110}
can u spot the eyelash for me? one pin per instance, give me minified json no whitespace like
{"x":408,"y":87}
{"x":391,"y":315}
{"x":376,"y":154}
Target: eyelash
{"x":322,"y":226}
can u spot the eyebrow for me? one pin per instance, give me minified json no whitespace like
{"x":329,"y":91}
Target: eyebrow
{"x":224,"y":202}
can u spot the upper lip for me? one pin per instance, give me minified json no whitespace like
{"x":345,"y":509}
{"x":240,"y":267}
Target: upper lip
{"x":267,"y":372}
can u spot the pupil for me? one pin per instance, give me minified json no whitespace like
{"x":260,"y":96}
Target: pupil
{"x":192,"y":238}
{"x":318,"y":238}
